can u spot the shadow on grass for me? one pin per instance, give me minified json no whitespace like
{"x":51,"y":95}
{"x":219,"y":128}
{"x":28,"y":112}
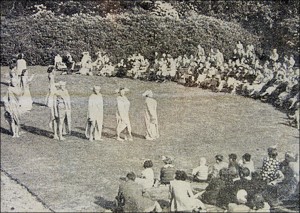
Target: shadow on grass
{"x":104,"y":134}
{"x":133,"y":134}
{"x":107,"y":204}
{"x":4,"y":83}
{"x":4,"y":131}
{"x":39,"y":104}
{"x":36,"y":131}
{"x":78,"y":134}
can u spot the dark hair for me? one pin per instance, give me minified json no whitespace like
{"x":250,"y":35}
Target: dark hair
{"x":50,"y":69}
{"x":244,"y":172}
{"x":219,"y":157}
{"x":180,"y":175}
{"x":233,"y":156}
{"x":257,"y":201}
{"x":148,"y":164}
{"x":131,"y":176}
{"x":247,"y":157}
{"x":256,"y":175}
{"x":20,"y":56}
{"x":224,"y":173}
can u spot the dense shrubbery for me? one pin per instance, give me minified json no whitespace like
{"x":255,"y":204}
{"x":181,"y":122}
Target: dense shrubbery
{"x":41,"y":36}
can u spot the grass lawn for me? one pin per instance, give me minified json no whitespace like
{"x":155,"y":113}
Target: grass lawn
{"x":79,"y":175}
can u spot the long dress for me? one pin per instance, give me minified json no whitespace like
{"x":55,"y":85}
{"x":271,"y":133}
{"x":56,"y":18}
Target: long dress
{"x":95,"y":116}
{"x":123,"y":112}
{"x":25,"y":99}
{"x":11,"y":105}
{"x":21,"y":65}
{"x":182,"y":197}
{"x":147,"y":179}
{"x":151,"y":119}
{"x":62,"y":109}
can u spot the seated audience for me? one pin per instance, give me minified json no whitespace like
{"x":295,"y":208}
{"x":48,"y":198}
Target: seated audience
{"x":200,"y":173}
{"x":167,"y":172}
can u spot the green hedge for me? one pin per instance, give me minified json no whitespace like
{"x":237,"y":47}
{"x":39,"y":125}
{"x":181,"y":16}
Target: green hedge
{"x":41,"y":37}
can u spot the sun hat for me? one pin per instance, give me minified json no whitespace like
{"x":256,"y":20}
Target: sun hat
{"x":148,"y":93}
{"x":167,"y":160}
{"x":241,"y":196}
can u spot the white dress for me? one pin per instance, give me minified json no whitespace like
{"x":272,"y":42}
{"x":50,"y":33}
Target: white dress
{"x":151,"y":119}
{"x":122,"y":114}
{"x":25,"y":100}
{"x":21,"y":65}
{"x":147,"y":179}
{"x":95,"y":116}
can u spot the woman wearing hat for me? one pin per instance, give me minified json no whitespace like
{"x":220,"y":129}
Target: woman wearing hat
{"x":122,"y":114}
{"x":95,"y":115}
{"x":151,"y":116}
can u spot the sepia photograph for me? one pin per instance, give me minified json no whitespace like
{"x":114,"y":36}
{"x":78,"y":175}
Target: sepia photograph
{"x":150,"y":106}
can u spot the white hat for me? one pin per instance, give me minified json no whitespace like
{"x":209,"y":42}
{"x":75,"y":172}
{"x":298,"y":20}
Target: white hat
{"x":96,"y":88}
{"x":241,"y":196}
{"x":148,"y":93}
{"x":122,"y":88}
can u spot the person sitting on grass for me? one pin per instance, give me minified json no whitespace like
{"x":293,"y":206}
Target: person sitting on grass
{"x":146,"y":179}
{"x":258,"y":204}
{"x":200,"y":173}
{"x":167,"y":172}
{"x":220,"y":164}
{"x":233,"y":166}
{"x":246,"y":162}
{"x":131,"y":197}
{"x":182,"y":197}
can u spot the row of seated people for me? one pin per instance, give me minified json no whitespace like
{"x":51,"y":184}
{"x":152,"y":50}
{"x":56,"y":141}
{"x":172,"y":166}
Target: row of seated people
{"x":235,"y":186}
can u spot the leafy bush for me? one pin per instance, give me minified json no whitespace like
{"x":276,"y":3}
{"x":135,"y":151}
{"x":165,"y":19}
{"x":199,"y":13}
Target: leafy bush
{"x":42,"y":36}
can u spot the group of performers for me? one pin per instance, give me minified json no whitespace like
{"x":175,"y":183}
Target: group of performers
{"x":58,"y":100}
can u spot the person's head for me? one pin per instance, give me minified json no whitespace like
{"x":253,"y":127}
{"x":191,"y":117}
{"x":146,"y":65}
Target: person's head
{"x":219,"y":158}
{"x":232,"y":157}
{"x":180,"y":175}
{"x":241,"y":196}
{"x":256,"y":176}
{"x":257,"y":201}
{"x":244,"y":172}
{"x":131,"y":176}
{"x":246,"y":157}
{"x":148,"y":164}
{"x":223,"y":173}
{"x":167,"y":160}
{"x":50,"y":69}
{"x":202,"y":161}
{"x":290,"y":157}
{"x":96,"y":89}
{"x":272,"y":152}
{"x":21,"y":56}
{"x":123,"y":90}
{"x":148,"y":93}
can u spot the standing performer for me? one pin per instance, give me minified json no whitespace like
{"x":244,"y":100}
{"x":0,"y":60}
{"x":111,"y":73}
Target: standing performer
{"x":122,"y":114}
{"x":25,"y":99}
{"x":151,"y":116}
{"x":95,"y":115}
{"x":63,"y":110}
{"x":12,"y":108}
{"x":21,"y":64}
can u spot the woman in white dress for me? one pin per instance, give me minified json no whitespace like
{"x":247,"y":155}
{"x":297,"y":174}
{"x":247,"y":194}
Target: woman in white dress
{"x":151,"y":116}
{"x":95,"y":115}
{"x":122,"y":114}
{"x":25,"y":100}
{"x":182,"y":197}
{"x":21,"y":64}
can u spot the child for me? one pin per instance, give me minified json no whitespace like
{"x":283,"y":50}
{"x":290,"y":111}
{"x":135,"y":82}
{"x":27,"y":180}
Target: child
{"x":146,"y":178}
{"x":201,"y":172}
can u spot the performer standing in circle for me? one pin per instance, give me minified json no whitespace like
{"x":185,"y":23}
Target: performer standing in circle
{"x":63,"y":110}
{"x":151,"y":116}
{"x":122,"y":114}
{"x":12,"y":107}
{"x":25,"y":99}
{"x":95,"y":115}
{"x":21,"y":65}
